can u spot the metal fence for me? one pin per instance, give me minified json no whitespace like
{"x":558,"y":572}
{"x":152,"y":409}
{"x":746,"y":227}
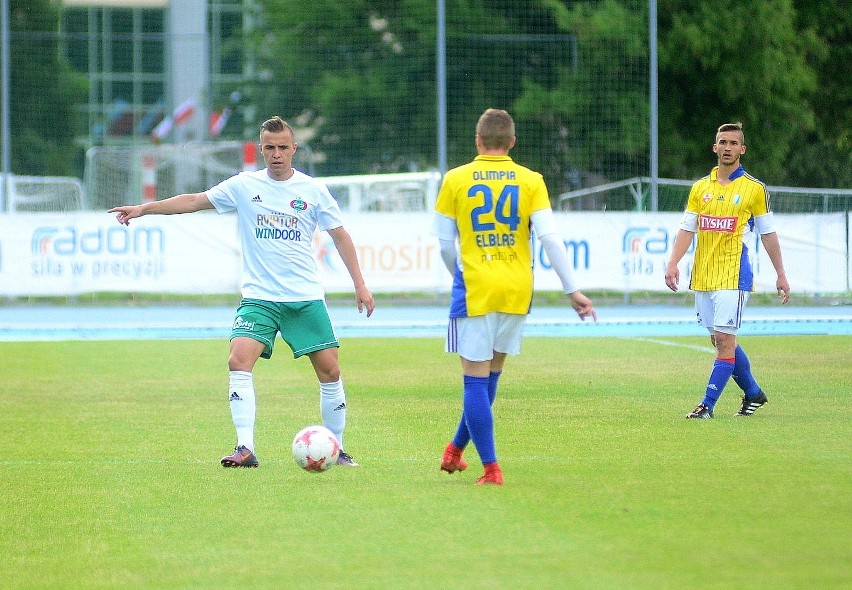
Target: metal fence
{"x":633,"y":194}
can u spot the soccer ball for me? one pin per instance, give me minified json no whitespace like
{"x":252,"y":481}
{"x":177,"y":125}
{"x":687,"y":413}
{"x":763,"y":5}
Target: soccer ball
{"x":315,"y":448}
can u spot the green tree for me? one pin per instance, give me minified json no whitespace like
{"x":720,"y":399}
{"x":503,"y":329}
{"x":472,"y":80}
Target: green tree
{"x":721,"y":63}
{"x":594,"y":121}
{"x":357,"y":76}
{"x":44,"y":94}
{"x":361,"y":75}
{"x":824,"y":158}
{"x":493,"y":51}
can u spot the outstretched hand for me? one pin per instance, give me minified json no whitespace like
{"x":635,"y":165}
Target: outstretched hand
{"x":127,"y":212}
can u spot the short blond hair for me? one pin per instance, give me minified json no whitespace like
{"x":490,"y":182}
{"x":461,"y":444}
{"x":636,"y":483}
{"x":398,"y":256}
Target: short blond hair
{"x":496,"y":129}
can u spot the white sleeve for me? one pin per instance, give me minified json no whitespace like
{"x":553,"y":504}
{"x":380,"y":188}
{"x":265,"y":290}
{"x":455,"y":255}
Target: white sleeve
{"x":544,"y":222}
{"x":445,"y":228}
{"x":764,"y":224}
{"x":554,"y":247}
{"x":689,"y":222}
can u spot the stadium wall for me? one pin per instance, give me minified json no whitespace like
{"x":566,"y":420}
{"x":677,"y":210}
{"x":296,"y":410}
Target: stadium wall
{"x":51,"y":254}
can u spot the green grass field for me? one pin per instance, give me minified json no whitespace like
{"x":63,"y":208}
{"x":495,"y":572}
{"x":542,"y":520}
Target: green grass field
{"x":110,"y":473}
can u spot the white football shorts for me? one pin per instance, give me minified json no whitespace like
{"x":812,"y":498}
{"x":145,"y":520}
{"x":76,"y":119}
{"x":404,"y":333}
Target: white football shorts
{"x":477,"y":338}
{"x":721,"y":311}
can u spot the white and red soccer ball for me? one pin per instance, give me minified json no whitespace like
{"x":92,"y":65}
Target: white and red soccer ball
{"x":315,"y":448}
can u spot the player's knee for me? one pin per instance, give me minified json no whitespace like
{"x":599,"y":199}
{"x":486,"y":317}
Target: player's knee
{"x":328,"y":374}
{"x":237,"y":364}
{"x":326,"y":365}
{"x":725,"y":344}
{"x":241,"y":361}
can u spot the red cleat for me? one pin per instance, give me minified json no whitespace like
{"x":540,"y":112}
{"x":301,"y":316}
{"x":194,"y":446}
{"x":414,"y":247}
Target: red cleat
{"x":452,"y":460}
{"x":493,"y":476}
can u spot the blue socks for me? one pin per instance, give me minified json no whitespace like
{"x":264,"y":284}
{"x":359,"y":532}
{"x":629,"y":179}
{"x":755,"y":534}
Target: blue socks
{"x":478,"y":417}
{"x":722,"y":371}
{"x":462,"y":436}
{"x":742,"y":374}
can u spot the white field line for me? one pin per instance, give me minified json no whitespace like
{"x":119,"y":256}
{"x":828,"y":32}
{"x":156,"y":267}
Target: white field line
{"x":668,"y":343}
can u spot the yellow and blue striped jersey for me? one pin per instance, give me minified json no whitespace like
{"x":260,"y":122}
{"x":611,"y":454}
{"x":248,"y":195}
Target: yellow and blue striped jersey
{"x":725,"y":222}
{"x":491,"y":200}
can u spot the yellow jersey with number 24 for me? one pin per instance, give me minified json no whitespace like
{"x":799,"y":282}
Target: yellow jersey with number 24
{"x":491,"y":200}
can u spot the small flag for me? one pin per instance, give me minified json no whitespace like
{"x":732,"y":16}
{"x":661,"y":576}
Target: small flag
{"x":181,"y":115}
{"x":218,"y":121}
{"x":162,"y":129}
{"x":152,"y":117}
{"x":184,"y":112}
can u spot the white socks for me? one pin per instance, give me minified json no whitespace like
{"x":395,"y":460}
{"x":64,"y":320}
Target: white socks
{"x":333,"y":408}
{"x":243,"y":406}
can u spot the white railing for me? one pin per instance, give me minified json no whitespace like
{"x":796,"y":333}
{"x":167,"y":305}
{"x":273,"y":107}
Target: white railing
{"x":407,"y":191}
{"x":806,"y":200}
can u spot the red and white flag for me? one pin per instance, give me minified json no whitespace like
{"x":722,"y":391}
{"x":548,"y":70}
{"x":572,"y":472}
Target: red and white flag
{"x":181,"y":115}
{"x":184,"y":112}
{"x":218,"y":121}
{"x":162,"y":129}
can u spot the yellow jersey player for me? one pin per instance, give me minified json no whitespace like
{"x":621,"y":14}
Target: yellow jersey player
{"x":725,"y":209}
{"x":485,"y":215}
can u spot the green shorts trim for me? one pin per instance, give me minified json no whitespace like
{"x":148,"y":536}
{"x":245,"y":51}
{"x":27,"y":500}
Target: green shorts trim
{"x":303,"y":325}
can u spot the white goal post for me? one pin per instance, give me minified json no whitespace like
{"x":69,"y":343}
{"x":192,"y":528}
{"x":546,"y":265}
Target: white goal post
{"x":38,"y":194}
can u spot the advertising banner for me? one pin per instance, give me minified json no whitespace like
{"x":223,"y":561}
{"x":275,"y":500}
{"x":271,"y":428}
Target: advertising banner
{"x":627,"y":252}
{"x":68,"y":254}
{"x":397,"y":252}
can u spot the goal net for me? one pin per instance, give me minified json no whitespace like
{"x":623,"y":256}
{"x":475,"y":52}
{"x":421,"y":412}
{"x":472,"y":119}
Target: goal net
{"x":38,"y":194}
{"x":125,"y":175}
